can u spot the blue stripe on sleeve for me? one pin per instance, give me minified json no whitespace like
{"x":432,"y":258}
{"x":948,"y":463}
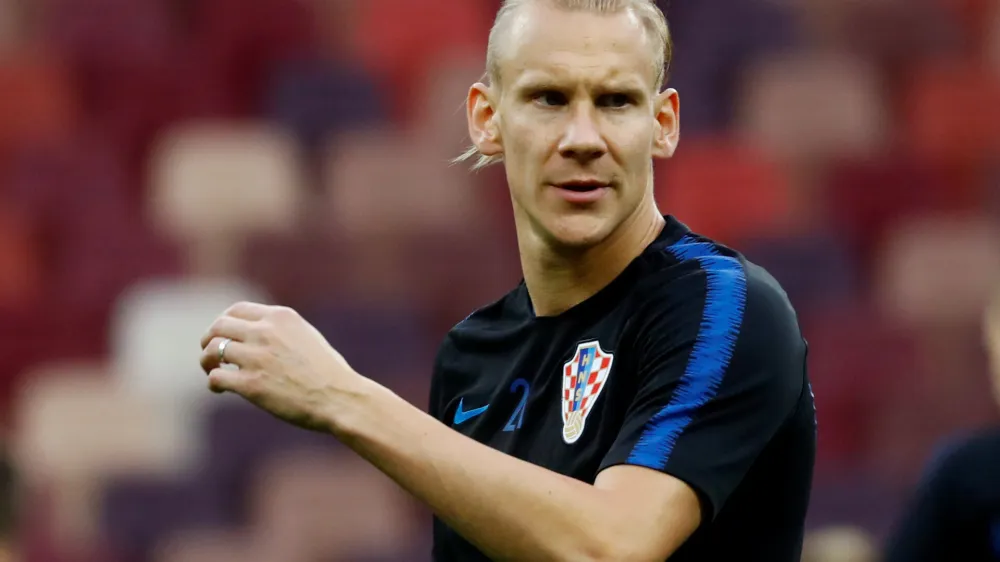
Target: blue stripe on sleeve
{"x":725,"y":303}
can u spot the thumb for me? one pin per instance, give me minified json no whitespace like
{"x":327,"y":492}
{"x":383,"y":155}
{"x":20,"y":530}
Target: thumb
{"x":224,"y":380}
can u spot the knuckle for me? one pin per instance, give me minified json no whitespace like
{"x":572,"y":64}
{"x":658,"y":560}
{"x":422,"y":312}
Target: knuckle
{"x":284,"y":313}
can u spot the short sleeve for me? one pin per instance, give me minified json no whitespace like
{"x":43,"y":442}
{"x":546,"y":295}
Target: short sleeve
{"x":721,"y":367}
{"x":435,"y":397}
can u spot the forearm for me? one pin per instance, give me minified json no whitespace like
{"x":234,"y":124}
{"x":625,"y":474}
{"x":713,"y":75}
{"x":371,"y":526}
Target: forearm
{"x":508,"y":508}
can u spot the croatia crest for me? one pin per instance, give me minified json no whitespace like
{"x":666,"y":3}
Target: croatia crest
{"x":584,"y":377}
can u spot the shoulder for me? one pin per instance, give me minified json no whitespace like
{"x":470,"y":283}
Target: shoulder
{"x":696,"y":280}
{"x":964,"y":455}
{"x":728,"y":320}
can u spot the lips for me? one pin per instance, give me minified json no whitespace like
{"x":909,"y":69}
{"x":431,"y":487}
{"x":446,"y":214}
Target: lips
{"x":582,"y":192}
{"x":581,"y":186}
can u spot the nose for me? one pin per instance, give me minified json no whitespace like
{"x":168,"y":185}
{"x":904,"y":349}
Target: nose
{"x":582,"y":140}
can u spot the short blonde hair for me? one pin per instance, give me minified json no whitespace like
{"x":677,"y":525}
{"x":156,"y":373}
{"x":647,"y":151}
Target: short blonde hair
{"x":647,"y":11}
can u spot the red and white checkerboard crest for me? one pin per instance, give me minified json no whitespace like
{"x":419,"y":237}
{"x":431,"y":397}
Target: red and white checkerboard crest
{"x":584,"y":377}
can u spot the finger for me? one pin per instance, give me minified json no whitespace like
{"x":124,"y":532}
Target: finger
{"x":224,"y":380}
{"x":228,"y":327}
{"x":248,"y":311}
{"x":236,"y":353}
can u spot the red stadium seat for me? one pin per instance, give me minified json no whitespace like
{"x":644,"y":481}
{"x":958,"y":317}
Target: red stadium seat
{"x":857,"y":359}
{"x":400,"y":39}
{"x":90,"y":236}
{"x":36,"y":101}
{"x":20,"y":263}
{"x":952,"y":113}
{"x":974,"y":18}
{"x":863,"y":197}
{"x":245,"y":49}
{"x":105,"y":34}
{"x":726,"y":190}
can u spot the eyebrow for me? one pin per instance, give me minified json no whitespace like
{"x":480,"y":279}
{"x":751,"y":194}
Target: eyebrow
{"x":546,"y":81}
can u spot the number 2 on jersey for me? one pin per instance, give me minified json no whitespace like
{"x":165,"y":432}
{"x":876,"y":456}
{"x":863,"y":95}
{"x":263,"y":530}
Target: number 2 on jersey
{"x":518,"y":416}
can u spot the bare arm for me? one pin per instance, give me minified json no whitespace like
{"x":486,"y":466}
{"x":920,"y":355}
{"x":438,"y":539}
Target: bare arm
{"x":508,"y":508}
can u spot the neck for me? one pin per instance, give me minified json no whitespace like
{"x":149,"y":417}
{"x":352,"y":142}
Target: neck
{"x":559,"y":279}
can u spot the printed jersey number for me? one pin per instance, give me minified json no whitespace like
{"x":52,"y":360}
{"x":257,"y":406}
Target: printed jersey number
{"x":518,"y":416}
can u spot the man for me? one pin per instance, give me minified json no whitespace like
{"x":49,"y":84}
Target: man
{"x":955,"y":514}
{"x":641,"y":395}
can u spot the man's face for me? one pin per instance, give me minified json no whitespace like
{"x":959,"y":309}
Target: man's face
{"x":578,"y":120}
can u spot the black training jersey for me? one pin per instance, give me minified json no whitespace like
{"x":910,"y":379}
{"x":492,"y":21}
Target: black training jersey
{"x":690,"y":362}
{"x":955,"y":514}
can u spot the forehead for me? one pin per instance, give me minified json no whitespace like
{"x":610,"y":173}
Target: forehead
{"x":546,"y":43}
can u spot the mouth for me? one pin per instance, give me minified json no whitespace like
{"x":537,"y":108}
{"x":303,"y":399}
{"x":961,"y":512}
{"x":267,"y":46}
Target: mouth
{"x":582,"y":186}
{"x":581,"y":192}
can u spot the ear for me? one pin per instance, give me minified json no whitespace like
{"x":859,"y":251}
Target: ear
{"x":484,"y":130}
{"x":668,"y":124}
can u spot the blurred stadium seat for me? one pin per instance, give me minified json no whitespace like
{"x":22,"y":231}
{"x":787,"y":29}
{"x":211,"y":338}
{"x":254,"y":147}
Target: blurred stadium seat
{"x":993,"y":42}
{"x":219,"y":546}
{"x":36,"y":100}
{"x":406,"y":183}
{"x":919,"y":263}
{"x":952,"y":112}
{"x":139,"y":510}
{"x":726,"y":189}
{"x":245,"y":50}
{"x":817,"y":269}
{"x":439,"y":117}
{"x":98,"y":35}
{"x":239,"y":440}
{"x":714,"y":41}
{"x":67,"y":432}
{"x":865,"y":197}
{"x":858,"y":360}
{"x":804,"y":107}
{"x":11,"y":23}
{"x":211,"y":186}
{"x":400,"y":39}
{"x":20,"y":263}
{"x":69,"y":443}
{"x":332,"y":507}
{"x":318,"y":99}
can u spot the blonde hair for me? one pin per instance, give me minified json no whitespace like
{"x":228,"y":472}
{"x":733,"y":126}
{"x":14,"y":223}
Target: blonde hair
{"x":647,"y":11}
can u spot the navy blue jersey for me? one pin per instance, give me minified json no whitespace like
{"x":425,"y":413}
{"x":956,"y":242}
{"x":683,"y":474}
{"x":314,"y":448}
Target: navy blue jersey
{"x":690,"y":362}
{"x":955,"y":514}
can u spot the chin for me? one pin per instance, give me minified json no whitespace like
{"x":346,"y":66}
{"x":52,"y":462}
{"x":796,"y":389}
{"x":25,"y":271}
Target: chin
{"x":578,"y":230}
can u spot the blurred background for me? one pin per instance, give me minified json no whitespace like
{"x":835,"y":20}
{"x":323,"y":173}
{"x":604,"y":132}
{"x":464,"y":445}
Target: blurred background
{"x":161,"y":159}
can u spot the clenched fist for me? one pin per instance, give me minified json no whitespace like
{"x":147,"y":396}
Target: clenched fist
{"x":286,"y":367}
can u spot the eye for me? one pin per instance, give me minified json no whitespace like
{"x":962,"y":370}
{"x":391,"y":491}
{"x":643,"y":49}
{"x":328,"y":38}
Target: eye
{"x":614,"y":100}
{"x":550,"y":98}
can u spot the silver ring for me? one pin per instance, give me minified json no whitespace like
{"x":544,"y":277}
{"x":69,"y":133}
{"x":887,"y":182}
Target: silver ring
{"x":222,"y":349}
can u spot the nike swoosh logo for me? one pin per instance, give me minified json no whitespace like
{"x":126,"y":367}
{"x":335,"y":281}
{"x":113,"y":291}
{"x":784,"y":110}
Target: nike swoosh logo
{"x":462,"y":417}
